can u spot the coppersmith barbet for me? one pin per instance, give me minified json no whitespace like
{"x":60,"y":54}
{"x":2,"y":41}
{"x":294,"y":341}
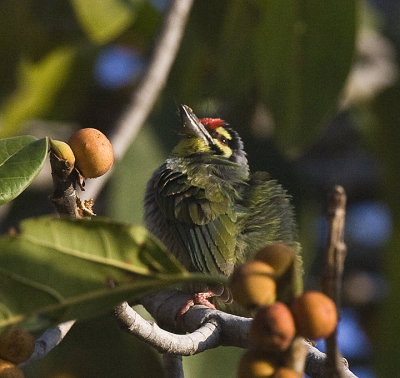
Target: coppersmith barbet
{"x":210,"y":211}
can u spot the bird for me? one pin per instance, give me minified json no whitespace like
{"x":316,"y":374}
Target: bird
{"x":210,"y":211}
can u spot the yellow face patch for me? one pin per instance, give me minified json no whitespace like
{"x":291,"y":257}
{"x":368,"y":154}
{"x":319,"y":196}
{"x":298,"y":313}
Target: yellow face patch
{"x":188,"y":146}
{"x":226,"y":150}
{"x":222,"y":131}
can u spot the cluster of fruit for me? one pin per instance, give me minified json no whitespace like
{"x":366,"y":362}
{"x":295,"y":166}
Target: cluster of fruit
{"x":88,"y":150}
{"x":16,"y":346}
{"x":311,"y":315}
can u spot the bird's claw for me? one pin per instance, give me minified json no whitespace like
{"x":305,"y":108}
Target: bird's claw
{"x":198,"y":298}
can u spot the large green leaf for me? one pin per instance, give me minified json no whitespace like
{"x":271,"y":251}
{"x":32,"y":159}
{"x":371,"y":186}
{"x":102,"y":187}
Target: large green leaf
{"x":104,"y":20}
{"x":37,"y":86}
{"x":79,"y":268}
{"x":21,"y":159}
{"x":297,"y":61}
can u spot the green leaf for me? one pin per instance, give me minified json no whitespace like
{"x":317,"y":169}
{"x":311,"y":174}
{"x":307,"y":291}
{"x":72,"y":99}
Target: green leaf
{"x":107,"y":19}
{"x":21,"y":159}
{"x":37,"y":86}
{"x":79,"y":268}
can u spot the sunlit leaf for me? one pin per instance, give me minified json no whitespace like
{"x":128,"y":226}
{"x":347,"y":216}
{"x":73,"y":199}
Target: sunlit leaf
{"x":105,"y":20}
{"x":37,"y":86}
{"x":79,"y":268}
{"x":21,"y":159}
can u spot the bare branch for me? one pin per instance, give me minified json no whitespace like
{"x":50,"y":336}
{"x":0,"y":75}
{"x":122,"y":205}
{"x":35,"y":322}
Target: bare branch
{"x":316,"y":364}
{"x":173,"y":366}
{"x":149,"y":88}
{"x":209,"y":328}
{"x":48,"y":340}
{"x":332,"y":278}
{"x":64,"y":194}
{"x":205,"y":337}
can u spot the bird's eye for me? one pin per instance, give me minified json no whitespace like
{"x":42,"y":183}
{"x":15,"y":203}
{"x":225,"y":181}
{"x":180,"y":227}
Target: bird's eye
{"x":222,"y":139}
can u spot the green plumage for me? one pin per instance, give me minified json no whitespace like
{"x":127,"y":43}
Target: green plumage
{"x":210,"y":212}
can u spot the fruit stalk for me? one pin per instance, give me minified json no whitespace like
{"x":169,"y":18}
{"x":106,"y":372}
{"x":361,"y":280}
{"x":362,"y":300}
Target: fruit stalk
{"x":64,"y":194}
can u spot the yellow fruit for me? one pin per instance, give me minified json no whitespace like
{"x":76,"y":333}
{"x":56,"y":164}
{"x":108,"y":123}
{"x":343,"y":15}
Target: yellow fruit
{"x":314,"y":314}
{"x":278,"y":255}
{"x":254,"y":365}
{"x":63,"y":151}
{"x":9,"y":370}
{"x":272,"y":329}
{"x":284,"y":372}
{"x":16,"y":345}
{"x":93,"y":152}
{"x":253,"y":285}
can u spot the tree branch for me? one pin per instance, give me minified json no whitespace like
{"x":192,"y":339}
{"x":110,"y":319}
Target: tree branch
{"x":149,"y":88}
{"x":48,"y":340}
{"x":208,"y":329}
{"x":173,"y":367}
{"x":332,"y":277}
{"x":64,"y":194}
{"x":205,"y":337}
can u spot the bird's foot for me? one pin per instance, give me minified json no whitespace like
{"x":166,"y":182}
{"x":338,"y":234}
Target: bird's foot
{"x":198,"y":298}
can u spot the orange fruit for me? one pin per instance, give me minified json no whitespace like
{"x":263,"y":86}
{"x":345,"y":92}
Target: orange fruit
{"x":314,"y":314}
{"x":278,"y":255}
{"x":253,"y":285}
{"x":93,"y":152}
{"x":272,"y":329}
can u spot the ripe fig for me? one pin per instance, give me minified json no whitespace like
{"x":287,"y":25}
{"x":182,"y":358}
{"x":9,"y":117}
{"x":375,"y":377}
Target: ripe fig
{"x":253,"y":285}
{"x":272,"y":329}
{"x":93,"y":152}
{"x":314,"y":314}
{"x":16,"y":345}
{"x":254,"y":365}
{"x":9,"y":370}
{"x":278,"y":255}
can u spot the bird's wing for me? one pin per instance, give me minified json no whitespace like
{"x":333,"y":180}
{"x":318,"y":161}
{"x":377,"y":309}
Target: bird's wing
{"x":270,"y":215}
{"x":270,"y":218}
{"x":203,"y":216}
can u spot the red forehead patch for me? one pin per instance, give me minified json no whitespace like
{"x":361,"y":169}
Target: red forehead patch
{"x":212,"y":123}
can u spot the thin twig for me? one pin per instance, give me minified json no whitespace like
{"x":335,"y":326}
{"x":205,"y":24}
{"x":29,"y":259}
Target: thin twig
{"x":48,"y":340}
{"x":332,"y":278}
{"x":316,"y":364}
{"x":149,"y":88}
{"x":64,"y":194}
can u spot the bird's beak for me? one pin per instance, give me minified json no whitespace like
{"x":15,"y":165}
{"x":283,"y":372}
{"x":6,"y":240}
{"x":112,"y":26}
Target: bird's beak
{"x":192,"y":126}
